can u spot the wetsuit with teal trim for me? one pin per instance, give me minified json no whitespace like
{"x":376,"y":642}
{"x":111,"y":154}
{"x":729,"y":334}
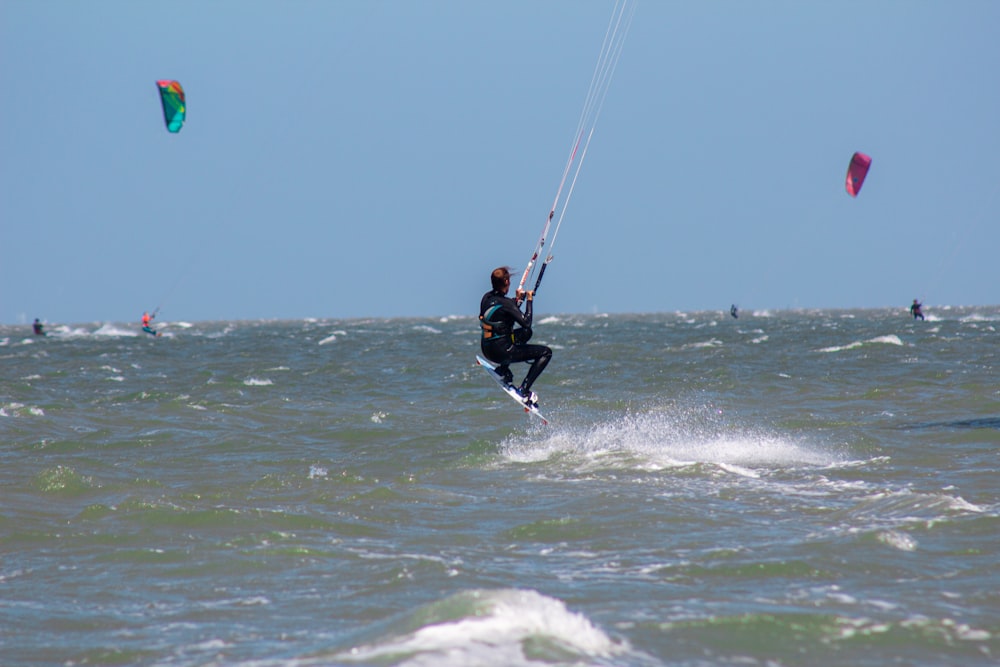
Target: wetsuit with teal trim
{"x":504,"y":344}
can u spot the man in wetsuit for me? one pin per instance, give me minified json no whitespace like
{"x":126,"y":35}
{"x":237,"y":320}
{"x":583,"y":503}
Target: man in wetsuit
{"x":915,"y":310}
{"x":38,"y":327}
{"x":502,"y":343}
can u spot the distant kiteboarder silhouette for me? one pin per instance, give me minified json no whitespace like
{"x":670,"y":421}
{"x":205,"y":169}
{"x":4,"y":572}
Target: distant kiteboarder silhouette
{"x":147,"y":321}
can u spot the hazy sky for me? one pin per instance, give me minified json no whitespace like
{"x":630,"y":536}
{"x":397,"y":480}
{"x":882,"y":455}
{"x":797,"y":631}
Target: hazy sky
{"x":363,"y":158}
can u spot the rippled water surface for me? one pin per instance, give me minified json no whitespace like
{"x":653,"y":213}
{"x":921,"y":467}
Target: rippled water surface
{"x":787,"y":488}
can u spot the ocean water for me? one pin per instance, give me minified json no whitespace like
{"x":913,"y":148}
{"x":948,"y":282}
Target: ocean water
{"x":786,"y":488}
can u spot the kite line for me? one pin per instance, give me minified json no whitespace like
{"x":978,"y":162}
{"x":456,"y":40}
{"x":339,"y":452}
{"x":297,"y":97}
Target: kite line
{"x":607,"y":61}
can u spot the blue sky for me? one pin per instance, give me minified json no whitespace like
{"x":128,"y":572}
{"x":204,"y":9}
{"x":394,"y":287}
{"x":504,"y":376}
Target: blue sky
{"x":370,"y":158}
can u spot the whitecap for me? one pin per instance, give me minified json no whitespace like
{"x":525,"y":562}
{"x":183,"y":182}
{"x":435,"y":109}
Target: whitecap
{"x":20,"y":410}
{"x":111,"y":330}
{"x":978,"y":317}
{"x":490,"y":628}
{"x":841,"y":348}
{"x":739,"y":470}
{"x":890,"y":509}
{"x":890,"y":339}
{"x":897,"y":540}
{"x":711,"y":342}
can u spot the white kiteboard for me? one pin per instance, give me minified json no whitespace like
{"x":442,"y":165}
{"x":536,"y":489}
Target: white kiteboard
{"x":508,"y":389}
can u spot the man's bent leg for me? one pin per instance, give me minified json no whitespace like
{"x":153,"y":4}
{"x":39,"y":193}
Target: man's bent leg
{"x":539,"y":355}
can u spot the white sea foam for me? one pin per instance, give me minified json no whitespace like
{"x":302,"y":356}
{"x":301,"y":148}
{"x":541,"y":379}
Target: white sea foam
{"x":113,"y":331}
{"x":64,"y":331}
{"x":487,"y":628}
{"x":20,"y":410}
{"x":334,"y":335}
{"x":979,"y":317}
{"x":898,"y":540}
{"x":664,"y":439}
{"x":912,"y":505}
{"x":887,"y":513}
{"x":711,"y":342}
{"x":890,"y":339}
{"x":739,"y":470}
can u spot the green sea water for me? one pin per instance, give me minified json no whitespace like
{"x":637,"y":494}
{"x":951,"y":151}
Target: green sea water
{"x":786,"y":488}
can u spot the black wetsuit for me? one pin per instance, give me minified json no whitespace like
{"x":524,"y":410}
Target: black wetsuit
{"x":503,"y":344}
{"x":915,"y":309}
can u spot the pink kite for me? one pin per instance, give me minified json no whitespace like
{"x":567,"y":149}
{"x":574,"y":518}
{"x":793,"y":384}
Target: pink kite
{"x":856,"y":173}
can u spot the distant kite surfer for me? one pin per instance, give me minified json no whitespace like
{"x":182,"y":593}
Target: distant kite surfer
{"x":38,"y":327}
{"x":146,"y":319}
{"x":502,"y":343}
{"x":915,"y":310}
{"x":734,"y":311}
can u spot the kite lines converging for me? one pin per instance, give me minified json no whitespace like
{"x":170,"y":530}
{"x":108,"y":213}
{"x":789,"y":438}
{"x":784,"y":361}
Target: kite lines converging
{"x":607,"y":61}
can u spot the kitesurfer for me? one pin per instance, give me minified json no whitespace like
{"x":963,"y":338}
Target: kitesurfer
{"x":915,"y":310}
{"x":504,"y":344}
{"x":734,"y":311}
{"x":38,"y":327}
{"x":146,"y":319}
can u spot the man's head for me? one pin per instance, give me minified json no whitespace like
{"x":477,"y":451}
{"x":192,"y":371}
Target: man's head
{"x":501,"y":279}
